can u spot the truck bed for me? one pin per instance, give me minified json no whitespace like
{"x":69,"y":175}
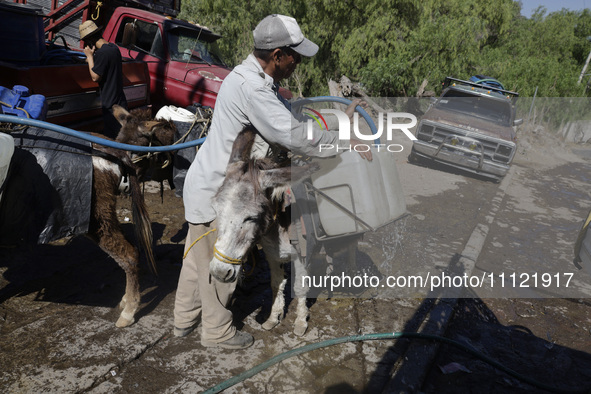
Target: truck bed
{"x":71,"y":94}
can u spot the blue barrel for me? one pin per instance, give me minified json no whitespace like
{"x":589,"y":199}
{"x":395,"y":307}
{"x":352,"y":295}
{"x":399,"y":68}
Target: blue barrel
{"x":19,"y":102}
{"x":488,"y":81}
{"x":21,"y":33}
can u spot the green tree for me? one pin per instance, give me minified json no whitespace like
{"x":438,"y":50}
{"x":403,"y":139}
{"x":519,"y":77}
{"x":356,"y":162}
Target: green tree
{"x":537,"y":53}
{"x":391,"y":46}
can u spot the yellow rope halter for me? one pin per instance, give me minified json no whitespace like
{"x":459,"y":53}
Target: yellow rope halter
{"x":197,"y":240}
{"x":220,"y":256}
{"x":225,"y":259}
{"x":216,"y":253}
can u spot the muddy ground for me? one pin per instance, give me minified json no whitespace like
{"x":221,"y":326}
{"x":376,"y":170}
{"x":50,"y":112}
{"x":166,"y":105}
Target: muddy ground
{"x":59,"y":304}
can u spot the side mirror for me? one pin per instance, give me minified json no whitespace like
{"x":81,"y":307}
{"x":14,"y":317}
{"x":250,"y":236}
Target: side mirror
{"x":517,"y":122}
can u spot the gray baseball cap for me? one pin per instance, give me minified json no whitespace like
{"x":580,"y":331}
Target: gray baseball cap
{"x":278,"y":31}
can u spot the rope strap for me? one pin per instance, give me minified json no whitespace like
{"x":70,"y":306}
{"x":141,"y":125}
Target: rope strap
{"x":225,"y":259}
{"x":197,"y":240}
{"x":167,"y":162}
{"x":216,"y":253}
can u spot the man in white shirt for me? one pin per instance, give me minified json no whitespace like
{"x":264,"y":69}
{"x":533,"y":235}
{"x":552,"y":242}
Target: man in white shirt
{"x":248,"y":96}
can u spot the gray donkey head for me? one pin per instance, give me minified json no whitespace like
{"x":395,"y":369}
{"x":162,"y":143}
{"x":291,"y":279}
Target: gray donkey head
{"x":248,"y":205}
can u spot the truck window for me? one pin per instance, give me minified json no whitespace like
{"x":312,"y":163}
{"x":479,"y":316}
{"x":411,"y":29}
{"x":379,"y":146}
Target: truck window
{"x":191,"y":46}
{"x":142,"y":36}
{"x":490,"y":109}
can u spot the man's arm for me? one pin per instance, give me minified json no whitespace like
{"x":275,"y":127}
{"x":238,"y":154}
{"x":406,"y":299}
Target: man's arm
{"x":277,"y":125}
{"x":89,"y":52}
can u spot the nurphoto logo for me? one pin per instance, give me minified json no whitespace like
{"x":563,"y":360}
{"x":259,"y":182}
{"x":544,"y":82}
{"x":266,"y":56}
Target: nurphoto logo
{"x":392,"y":123}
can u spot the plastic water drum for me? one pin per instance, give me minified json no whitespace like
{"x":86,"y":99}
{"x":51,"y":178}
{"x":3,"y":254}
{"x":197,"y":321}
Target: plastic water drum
{"x":19,"y":102}
{"x":392,"y":185}
{"x":6,"y":151}
{"x":371,"y":190}
{"x":21,"y":33}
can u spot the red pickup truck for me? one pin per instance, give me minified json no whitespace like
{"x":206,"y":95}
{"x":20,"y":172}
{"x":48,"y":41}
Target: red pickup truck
{"x":181,"y":57}
{"x":56,"y":72}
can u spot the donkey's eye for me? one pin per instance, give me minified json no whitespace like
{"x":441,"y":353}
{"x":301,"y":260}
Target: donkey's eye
{"x":250,"y":219}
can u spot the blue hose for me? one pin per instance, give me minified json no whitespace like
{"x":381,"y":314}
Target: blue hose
{"x":167,"y":148}
{"x":342,"y":100}
{"x":97,"y":140}
{"x":63,"y":56}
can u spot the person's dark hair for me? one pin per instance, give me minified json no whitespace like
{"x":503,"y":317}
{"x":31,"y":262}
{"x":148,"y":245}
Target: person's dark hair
{"x":263,"y":54}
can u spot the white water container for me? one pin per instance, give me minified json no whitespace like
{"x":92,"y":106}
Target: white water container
{"x":170,"y":112}
{"x":182,"y":118}
{"x":6,"y":152}
{"x":392,"y":185}
{"x":369,"y":189}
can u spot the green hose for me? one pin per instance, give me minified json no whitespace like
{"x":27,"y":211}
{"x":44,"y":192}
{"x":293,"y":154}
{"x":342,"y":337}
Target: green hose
{"x":388,"y":335}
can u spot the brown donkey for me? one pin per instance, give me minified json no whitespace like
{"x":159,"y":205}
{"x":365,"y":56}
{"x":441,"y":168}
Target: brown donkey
{"x":113,"y":173}
{"x":108,"y":175}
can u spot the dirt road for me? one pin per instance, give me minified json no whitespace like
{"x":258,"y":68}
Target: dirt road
{"x":58,"y":309}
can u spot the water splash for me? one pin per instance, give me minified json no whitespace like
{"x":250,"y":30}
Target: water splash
{"x":390,"y":242}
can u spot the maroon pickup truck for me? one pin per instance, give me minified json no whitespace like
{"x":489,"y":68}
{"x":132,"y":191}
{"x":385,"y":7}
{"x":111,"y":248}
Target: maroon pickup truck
{"x":471,"y":127}
{"x":182,"y":57}
{"x":183,"y":64}
{"x":56,"y":71}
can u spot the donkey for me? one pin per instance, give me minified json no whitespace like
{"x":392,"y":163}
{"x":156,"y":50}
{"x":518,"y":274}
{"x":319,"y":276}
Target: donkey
{"x":252,"y":207}
{"x":113,"y":173}
{"x":137,"y":128}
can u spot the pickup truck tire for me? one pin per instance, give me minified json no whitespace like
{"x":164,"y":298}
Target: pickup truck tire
{"x":413,"y":158}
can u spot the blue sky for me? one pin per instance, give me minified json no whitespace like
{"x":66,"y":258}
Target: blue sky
{"x":528,"y":6}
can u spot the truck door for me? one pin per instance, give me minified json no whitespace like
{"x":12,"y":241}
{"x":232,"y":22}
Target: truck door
{"x":142,"y":40}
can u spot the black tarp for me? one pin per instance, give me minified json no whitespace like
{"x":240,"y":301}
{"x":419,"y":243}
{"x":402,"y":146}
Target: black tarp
{"x":47,"y":194}
{"x":184,"y":157}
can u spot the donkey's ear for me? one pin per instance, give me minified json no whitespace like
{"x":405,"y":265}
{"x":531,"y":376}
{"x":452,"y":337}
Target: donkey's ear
{"x":284,"y":176}
{"x":243,"y":145}
{"x":147,"y":128}
{"x":121,"y":114}
{"x":275,"y":177}
{"x":298,"y":173}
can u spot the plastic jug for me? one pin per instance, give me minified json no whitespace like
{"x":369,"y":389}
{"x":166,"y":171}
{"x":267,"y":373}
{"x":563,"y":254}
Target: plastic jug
{"x":392,"y":185}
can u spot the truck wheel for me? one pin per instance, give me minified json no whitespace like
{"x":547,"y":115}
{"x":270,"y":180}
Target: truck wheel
{"x":413,"y":158}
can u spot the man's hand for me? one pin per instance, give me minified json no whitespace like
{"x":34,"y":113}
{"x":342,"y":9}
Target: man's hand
{"x":354,"y":142}
{"x":89,"y":52}
{"x":351,"y":108}
{"x":366,"y":155}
